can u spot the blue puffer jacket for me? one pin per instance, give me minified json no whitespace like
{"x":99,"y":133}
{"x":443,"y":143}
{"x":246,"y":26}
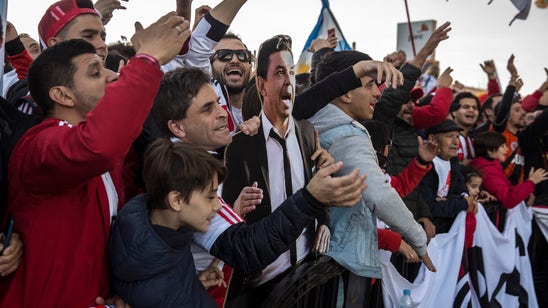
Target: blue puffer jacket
{"x":146,"y":272}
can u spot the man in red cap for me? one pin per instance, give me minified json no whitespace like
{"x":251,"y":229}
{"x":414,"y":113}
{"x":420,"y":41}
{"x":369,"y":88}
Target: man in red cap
{"x":71,"y":19}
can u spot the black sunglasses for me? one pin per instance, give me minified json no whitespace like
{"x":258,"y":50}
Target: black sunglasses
{"x":225,"y":55}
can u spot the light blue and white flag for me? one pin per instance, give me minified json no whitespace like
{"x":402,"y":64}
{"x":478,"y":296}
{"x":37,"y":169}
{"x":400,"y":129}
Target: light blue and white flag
{"x":326,"y":21}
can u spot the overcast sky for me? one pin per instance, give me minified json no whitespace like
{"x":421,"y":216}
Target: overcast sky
{"x":480,"y":31}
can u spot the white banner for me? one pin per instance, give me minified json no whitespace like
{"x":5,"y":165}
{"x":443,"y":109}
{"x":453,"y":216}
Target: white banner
{"x":498,"y":271}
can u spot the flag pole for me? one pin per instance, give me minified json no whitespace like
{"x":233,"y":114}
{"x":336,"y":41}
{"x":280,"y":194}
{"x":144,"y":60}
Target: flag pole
{"x":410,"y":28}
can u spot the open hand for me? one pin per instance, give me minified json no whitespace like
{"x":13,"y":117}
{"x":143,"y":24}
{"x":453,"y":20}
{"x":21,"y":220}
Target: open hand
{"x":249,"y":198}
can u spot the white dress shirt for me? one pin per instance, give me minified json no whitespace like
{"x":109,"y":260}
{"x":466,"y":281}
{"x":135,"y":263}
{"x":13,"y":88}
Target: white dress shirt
{"x":277,"y":192}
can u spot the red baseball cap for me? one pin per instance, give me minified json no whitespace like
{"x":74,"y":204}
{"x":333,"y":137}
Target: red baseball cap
{"x":59,"y":14}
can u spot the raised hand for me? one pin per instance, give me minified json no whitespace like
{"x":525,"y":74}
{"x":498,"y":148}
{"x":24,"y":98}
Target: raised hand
{"x":11,"y":32}
{"x":339,"y":191}
{"x":380,"y":71}
{"x":199,"y":13}
{"x":319,"y":43}
{"x":457,"y":86}
{"x":511,"y":67}
{"x":107,"y":7}
{"x":440,"y":34}
{"x":516,"y":81}
{"x":445,"y":80}
{"x":163,"y":39}
{"x":249,"y":198}
{"x":489,"y":68}
{"x":537,"y":176}
{"x":428,"y":150}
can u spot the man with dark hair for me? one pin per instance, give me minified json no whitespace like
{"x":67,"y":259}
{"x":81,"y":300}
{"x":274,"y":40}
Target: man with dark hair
{"x":285,"y":147}
{"x":347,"y":140}
{"x":198,"y":119}
{"x":231,"y":66}
{"x":464,"y":111}
{"x":280,"y":158}
{"x":487,"y":114}
{"x":65,"y":173}
{"x":71,"y":19}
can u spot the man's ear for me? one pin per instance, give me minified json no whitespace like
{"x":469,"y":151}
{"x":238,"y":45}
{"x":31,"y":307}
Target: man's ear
{"x":176,"y":129}
{"x":261,"y":86}
{"x":62,"y":96}
{"x":175,"y":201}
{"x":346,"y":98}
{"x":432,"y":137}
{"x":53,"y":41}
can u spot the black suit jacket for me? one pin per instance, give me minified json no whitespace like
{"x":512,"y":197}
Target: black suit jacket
{"x":246,"y":160}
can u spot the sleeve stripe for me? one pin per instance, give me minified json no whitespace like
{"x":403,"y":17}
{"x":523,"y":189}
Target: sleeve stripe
{"x":228,"y":213}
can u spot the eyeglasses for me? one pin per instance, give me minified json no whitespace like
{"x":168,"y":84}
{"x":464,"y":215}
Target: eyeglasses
{"x":225,"y":55}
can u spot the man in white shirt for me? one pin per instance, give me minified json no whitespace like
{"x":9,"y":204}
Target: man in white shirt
{"x":280,"y":158}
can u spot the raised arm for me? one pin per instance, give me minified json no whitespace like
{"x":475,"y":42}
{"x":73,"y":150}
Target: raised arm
{"x":435,"y":112}
{"x":95,"y":151}
{"x":322,"y":93}
{"x":490,"y":70}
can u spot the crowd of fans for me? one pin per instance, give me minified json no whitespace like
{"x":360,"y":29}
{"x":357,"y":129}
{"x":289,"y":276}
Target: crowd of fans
{"x":182,"y":170}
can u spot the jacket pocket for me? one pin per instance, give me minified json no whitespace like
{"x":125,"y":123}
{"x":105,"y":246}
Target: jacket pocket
{"x":349,"y":230}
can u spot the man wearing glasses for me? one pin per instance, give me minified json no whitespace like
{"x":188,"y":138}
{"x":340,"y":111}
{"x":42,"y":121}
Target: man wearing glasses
{"x":231,"y":66}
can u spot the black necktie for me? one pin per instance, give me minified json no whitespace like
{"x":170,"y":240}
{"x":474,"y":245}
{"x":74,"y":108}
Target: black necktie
{"x":288,"y":186}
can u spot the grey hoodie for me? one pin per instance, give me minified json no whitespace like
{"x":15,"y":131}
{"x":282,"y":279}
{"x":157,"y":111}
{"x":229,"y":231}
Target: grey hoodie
{"x":348,"y":141}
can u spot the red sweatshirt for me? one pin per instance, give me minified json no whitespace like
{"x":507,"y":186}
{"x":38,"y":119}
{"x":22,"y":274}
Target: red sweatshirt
{"x":435,"y":112}
{"x":497,"y":184}
{"x":59,"y":200}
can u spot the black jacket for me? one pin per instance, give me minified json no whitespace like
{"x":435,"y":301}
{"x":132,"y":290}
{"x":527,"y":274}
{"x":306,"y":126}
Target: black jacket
{"x":404,"y":136}
{"x":534,"y":144}
{"x":444,"y":212}
{"x":147,"y":272}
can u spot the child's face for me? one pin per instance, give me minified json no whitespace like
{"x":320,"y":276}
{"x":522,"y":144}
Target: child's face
{"x":473,"y":185}
{"x":500,"y":153}
{"x":201,"y":208}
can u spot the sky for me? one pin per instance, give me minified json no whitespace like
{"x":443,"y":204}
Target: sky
{"x":480,"y":31}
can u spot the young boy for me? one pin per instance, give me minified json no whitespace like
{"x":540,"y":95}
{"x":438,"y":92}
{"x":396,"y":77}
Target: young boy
{"x":150,"y":255}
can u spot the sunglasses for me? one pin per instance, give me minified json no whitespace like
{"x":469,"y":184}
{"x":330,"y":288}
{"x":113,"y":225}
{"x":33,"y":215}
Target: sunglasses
{"x":225,"y":55}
